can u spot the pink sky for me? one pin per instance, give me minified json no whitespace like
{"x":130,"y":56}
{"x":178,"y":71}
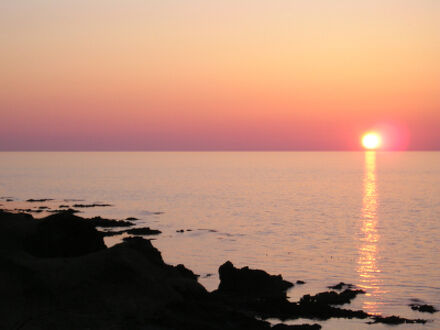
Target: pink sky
{"x":219,"y":75}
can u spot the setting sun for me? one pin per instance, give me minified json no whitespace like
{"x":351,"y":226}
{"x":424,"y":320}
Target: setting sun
{"x":371,"y":140}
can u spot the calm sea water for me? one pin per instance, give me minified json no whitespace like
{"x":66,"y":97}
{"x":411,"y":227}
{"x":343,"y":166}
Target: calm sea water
{"x":371,"y":219}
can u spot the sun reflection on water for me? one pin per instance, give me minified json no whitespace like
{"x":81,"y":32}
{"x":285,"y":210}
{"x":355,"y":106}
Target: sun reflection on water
{"x":367,"y":263}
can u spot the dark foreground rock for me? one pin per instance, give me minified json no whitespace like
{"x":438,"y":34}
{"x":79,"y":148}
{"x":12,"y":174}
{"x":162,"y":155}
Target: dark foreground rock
{"x":64,"y":235}
{"x":57,"y":274}
{"x":251,"y":282}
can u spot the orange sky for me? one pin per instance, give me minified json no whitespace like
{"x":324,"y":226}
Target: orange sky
{"x":216,"y":75}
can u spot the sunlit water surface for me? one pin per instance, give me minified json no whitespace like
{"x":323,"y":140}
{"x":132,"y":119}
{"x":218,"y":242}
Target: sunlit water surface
{"x":367,"y":218}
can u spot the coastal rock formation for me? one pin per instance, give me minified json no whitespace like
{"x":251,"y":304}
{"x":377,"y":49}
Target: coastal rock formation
{"x":56,"y":273}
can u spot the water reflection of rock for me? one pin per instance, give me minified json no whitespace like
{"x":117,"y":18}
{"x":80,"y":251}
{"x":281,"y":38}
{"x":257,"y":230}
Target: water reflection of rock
{"x":368,"y":251}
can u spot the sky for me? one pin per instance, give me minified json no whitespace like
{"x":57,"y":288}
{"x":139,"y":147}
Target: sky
{"x":219,"y":75}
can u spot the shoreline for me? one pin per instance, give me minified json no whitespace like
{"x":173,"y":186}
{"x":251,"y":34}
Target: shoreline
{"x":58,"y":262}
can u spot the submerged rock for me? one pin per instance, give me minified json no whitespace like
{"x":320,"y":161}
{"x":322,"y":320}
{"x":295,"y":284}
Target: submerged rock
{"x":341,"y":285}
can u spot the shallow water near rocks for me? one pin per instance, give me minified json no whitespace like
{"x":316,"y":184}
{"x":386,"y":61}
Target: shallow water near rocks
{"x":371,"y":219}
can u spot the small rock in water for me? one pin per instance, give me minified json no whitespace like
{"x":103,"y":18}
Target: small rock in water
{"x":143,"y":231}
{"x":282,"y":326}
{"x":394,"y":320}
{"x":423,"y":308}
{"x":341,"y":285}
{"x":180,"y":231}
{"x":39,"y":200}
{"x":332,"y":297}
{"x":300,"y":282}
{"x":68,"y":211}
{"x":131,"y":219}
{"x":91,"y":205}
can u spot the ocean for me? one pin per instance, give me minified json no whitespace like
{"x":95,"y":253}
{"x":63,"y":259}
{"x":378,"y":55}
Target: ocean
{"x":367,"y":218}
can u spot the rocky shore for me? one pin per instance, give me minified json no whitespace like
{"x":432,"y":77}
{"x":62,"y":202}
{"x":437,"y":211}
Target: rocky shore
{"x":57,"y":273}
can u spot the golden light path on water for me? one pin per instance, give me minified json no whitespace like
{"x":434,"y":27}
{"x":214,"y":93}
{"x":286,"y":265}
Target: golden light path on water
{"x":368,"y":251}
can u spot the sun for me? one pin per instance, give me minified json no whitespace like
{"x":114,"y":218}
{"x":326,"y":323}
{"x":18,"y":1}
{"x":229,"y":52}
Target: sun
{"x":371,"y":140}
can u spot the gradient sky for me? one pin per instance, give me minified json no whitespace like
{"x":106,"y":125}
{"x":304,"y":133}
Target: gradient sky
{"x":218,"y":75}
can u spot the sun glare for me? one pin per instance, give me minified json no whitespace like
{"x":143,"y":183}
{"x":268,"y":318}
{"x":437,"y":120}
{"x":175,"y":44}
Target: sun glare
{"x":371,"y":141}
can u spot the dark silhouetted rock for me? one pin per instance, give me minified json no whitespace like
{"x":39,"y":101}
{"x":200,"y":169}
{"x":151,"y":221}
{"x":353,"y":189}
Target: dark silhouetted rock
{"x":85,"y":285}
{"x":64,"y":235}
{"x":300,"y":282}
{"x":332,"y":297}
{"x":395,"y":320}
{"x":250,"y":282}
{"x":91,"y":205}
{"x":63,"y":206}
{"x":101,"y":222}
{"x":29,"y":210}
{"x":341,"y":285}
{"x":133,"y":231}
{"x":423,"y":308}
{"x":186,"y":272}
{"x":281,"y":326}
{"x":131,"y":219}
{"x":39,"y":200}
{"x":143,"y":231}
{"x":64,"y":211}
{"x":180,"y":231}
